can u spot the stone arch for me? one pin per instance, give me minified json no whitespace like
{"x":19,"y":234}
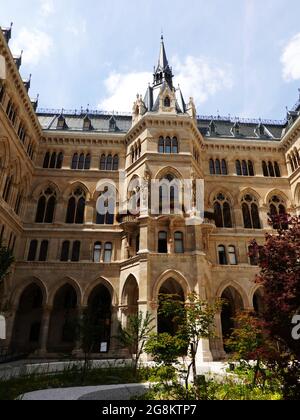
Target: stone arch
{"x":100,"y":281}
{"x":170,"y":274}
{"x":297,"y":195}
{"x":257,"y":300}
{"x":130,"y":298}
{"x":25,"y":283}
{"x":73,"y":186}
{"x":279,"y":193}
{"x":28,"y":321}
{"x":219,"y":190}
{"x":253,"y":192}
{"x":63,"y":320}
{"x":231,"y":283}
{"x":46,"y":184}
{"x":66,"y":280}
{"x":166,"y":171}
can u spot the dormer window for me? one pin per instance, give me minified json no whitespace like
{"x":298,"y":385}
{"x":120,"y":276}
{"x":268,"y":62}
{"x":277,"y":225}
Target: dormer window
{"x":167,"y":102}
{"x":87,"y":124}
{"x":61,"y":123}
{"x":112,"y":124}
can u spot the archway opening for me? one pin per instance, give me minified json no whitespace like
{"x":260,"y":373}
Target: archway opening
{"x":62,"y":331}
{"x":258,"y":302}
{"x":170,"y":288}
{"x":233,"y":305}
{"x":130,"y":298}
{"x":27,"y":328}
{"x":100,"y":313}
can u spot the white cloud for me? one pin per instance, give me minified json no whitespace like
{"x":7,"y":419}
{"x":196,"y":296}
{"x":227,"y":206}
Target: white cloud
{"x":36,"y":45}
{"x":198,"y":77}
{"x":47,"y":8}
{"x":121,"y":90}
{"x":290,"y":59}
{"x":77,"y":29}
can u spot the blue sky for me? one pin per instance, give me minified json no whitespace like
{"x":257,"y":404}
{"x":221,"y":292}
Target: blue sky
{"x":238,"y":57}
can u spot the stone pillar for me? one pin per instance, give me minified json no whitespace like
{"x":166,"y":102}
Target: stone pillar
{"x":263,"y":211}
{"x":115,"y":325}
{"x":78,"y":352}
{"x":143,"y":236}
{"x":89,"y":212}
{"x":44,"y":331}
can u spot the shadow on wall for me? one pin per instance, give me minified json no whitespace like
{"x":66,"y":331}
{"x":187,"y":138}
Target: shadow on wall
{"x":2,"y":328}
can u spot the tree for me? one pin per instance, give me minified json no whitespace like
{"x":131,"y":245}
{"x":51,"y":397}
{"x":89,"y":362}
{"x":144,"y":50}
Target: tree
{"x":279,"y":261}
{"x":135,"y":335}
{"x":193,"y":321}
{"x":6,"y":260}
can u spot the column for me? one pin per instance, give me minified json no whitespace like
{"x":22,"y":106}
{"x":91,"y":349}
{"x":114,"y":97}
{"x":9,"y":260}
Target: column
{"x":44,"y":331}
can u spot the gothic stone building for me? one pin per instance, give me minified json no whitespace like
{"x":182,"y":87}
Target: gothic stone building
{"x":68,"y":257}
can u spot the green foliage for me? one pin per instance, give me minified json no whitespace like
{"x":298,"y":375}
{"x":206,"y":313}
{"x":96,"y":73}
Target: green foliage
{"x":6,"y":260}
{"x":135,"y":335}
{"x":165,"y":349}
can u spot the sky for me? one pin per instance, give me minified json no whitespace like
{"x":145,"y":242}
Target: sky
{"x":237,"y":57}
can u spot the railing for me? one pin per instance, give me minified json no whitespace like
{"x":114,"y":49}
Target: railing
{"x":233,"y":120}
{"x":81,"y":112}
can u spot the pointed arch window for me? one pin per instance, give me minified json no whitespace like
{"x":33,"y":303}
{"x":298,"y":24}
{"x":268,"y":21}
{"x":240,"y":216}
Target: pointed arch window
{"x":271,"y":170}
{"x":250,"y":212}
{"x":265,"y":169}
{"x":278,"y":210}
{"x":222,"y":255}
{"x":109,"y":163}
{"x":222,"y":210}
{"x":168,"y":145}
{"x":46,"y":206}
{"x":175,"y":148}
{"x":224,"y":167}
{"x":212,"y":170}
{"x":238,"y":168}
{"x":65,"y":251}
{"x":75,"y":161}
{"x":81,"y":162}
{"x":116,"y":163}
{"x":103,"y":163}
{"x":218,"y":167}
{"x":76,"y":251}
{"x":108,"y":252}
{"x":76,"y":207}
{"x":161,"y":145}
{"x":8,"y":188}
{"x":167,"y":102}
{"x":44,"y":251}
{"x":87,"y":162}
{"x":18,"y":203}
{"x":53,"y":161}
{"x":32,"y":250}
{"x":97,"y":252}
{"x":46,"y":160}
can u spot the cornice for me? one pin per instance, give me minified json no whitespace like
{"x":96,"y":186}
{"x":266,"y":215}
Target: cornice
{"x":292,"y":135}
{"x":81,"y":138}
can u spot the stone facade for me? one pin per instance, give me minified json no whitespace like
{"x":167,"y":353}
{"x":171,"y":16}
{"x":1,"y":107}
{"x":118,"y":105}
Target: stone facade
{"x":68,"y":258}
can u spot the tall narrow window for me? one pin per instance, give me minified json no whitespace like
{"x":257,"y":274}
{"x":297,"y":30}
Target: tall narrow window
{"x":222,"y":255}
{"x":175,"y":145}
{"x":76,"y":251}
{"x":53,"y":161}
{"x":46,"y":160}
{"x":87,"y":162}
{"x":18,"y":203}
{"x":162,"y":243}
{"x":238,"y":168}
{"x":245,"y":168}
{"x":212,"y":170}
{"x":108,"y":252}
{"x":46,"y":206}
{"x":7,"y":188}
{"x":265,"y":169}
{"x":32,"y":250}
{"x":81,"y":162}
{"x":60,"y":160}
{"x":109,"y":163}
{"x":179,"y":246}
{"x":232,"y":255}
{"x":250,"y":213}
{"x":250,"y":168}
{"x":44,"y":251}
{"x":168,"y":145}
{"x":224,"y":167}
{"x":271,"y":170}
{"x":161,"y":145}
{"x":222,"y":210}
{"x":65,"y":251}
{"x":277,"y":170}
{"x":103,"y":163}
{"x":218,"y":167}
{"x":167,"y":102}
{"x":97,"y":252}
{"x":116,"y":163}
{"x":75,"y":161}
{"x":76,"y":207}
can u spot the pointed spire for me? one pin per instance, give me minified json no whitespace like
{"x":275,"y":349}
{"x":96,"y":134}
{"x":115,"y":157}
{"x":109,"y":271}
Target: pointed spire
{"x":163,"y":72}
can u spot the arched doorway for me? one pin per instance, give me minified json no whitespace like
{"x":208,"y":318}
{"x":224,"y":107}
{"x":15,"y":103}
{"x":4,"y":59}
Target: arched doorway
{"x":130,"y":298}
{"x":100,"y":314}
{"x":233,"y":305}
{"x":27,"y":328}
{"x":62,"y":331}
{"x":258,"y":302}
{"x":165,"y":324}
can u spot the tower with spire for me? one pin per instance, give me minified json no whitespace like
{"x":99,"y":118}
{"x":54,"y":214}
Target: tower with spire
{"x":163,"y":72}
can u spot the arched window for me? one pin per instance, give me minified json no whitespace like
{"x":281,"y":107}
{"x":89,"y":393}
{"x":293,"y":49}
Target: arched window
{"x":218,"y":167}
{"x":277,"y":170}
{"x":238,"y":168}
{"x":161,"y":145}
{"x":132,"y":154}
{"x":32,"y":250}
{"x":224,"y":167}
{"x":103,"y":163}
{"x":175,"y":148}
{"x":76,"y":207}
{"x":245,"y":168}
{"x":7,"y":188}
{"x":76,"y":251}
{"x":222,"y":255}
{"x":44,"y":251}
{"x":18,"y":203}
{"x":108,"y":218}
{"x":87,"y":162}
{"x":46,"y":160}
{"x":271,"y":170}
{"x":277,"y":208}
{"x":250,"y":212}
{"x":167,"y":102}
{"x":97,"y":252}
{"x":46,"y":206}
{"x":162,"y":243}
{"x":109,"y":163}
{"x":108,"y":252}
{"x":222,"y":210}
{"x":179,"y":245}
{"x":81,"y":162}
{"x":65,"y":251}
{"x":168,"y":145}
{"x":232,"y":255}
{"x":250,"y":168}
{"x":116,"y":163}
{"x":75,"y":161}
{"x":265,"y":169}
{"x":60,"y":160}
{"x":212,"y":170}
{"x":53,"y":161}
